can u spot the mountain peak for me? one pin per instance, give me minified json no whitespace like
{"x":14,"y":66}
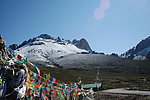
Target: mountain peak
{"x":82,"y":44}
{"x":45,"y":39}
{"x":141,"y":50}
{"x":45,"y":36}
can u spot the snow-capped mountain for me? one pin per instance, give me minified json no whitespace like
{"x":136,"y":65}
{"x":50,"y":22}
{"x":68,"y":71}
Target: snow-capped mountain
{"x":140,"y":52}
{"x":45,"y":48}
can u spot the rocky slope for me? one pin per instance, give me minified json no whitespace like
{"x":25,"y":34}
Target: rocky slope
{"x":140,"y":52}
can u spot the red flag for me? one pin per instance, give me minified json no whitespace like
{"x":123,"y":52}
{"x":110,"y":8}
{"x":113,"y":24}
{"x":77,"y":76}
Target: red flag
{"x":29,"y":70}
{"x":19,"y":57}
{"x":39,"y":77}
{"x":55,"y":84}
{"x":57,"y":81}
{"x":36,"y":86}
{"x":41,"y":73}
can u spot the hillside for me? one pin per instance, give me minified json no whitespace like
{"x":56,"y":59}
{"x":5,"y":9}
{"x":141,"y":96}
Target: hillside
{"x":140,"y":51}
{"x":89,"y":61}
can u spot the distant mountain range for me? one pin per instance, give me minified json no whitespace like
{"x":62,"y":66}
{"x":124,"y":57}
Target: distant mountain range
{"x":140,"y":52}
{"x":77,"y":54}
{"x":57,"y":52}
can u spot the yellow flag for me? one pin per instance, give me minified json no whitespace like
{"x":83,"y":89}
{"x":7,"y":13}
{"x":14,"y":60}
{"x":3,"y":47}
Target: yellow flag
{"x":48,"y":76}
{"x":30,"y":64}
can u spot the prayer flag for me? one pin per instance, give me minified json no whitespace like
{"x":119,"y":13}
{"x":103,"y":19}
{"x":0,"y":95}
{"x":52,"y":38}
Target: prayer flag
{"x":51,"y":78}
{"x":19,"y":57}
{"x":24,"y":60}
{"x":41,"y":73}
{"x":48,"y":76}
{"x":57,"y":81}
{"x":42,"y":79}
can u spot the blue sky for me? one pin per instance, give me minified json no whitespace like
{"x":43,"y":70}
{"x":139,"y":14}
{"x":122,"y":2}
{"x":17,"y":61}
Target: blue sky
{"x":110,"y":26}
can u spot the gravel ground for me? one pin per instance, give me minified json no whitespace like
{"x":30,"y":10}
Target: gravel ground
{"x":124,"y":91}
{"x":122,"y":94}
{"x":114,"y":96}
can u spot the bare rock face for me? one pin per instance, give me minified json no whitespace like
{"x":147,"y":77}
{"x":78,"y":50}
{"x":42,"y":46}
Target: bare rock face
{"x":82,"y":44}
{"x":13,"y":46}
{"x":148,"y":56}
{"x":45,"y":36}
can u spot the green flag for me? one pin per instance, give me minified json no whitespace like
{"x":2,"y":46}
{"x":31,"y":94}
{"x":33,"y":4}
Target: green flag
{"x":1,"y":80}
{"x":42,"y":79}
{"x":32,"y":86}
{"x":24,"y":60}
